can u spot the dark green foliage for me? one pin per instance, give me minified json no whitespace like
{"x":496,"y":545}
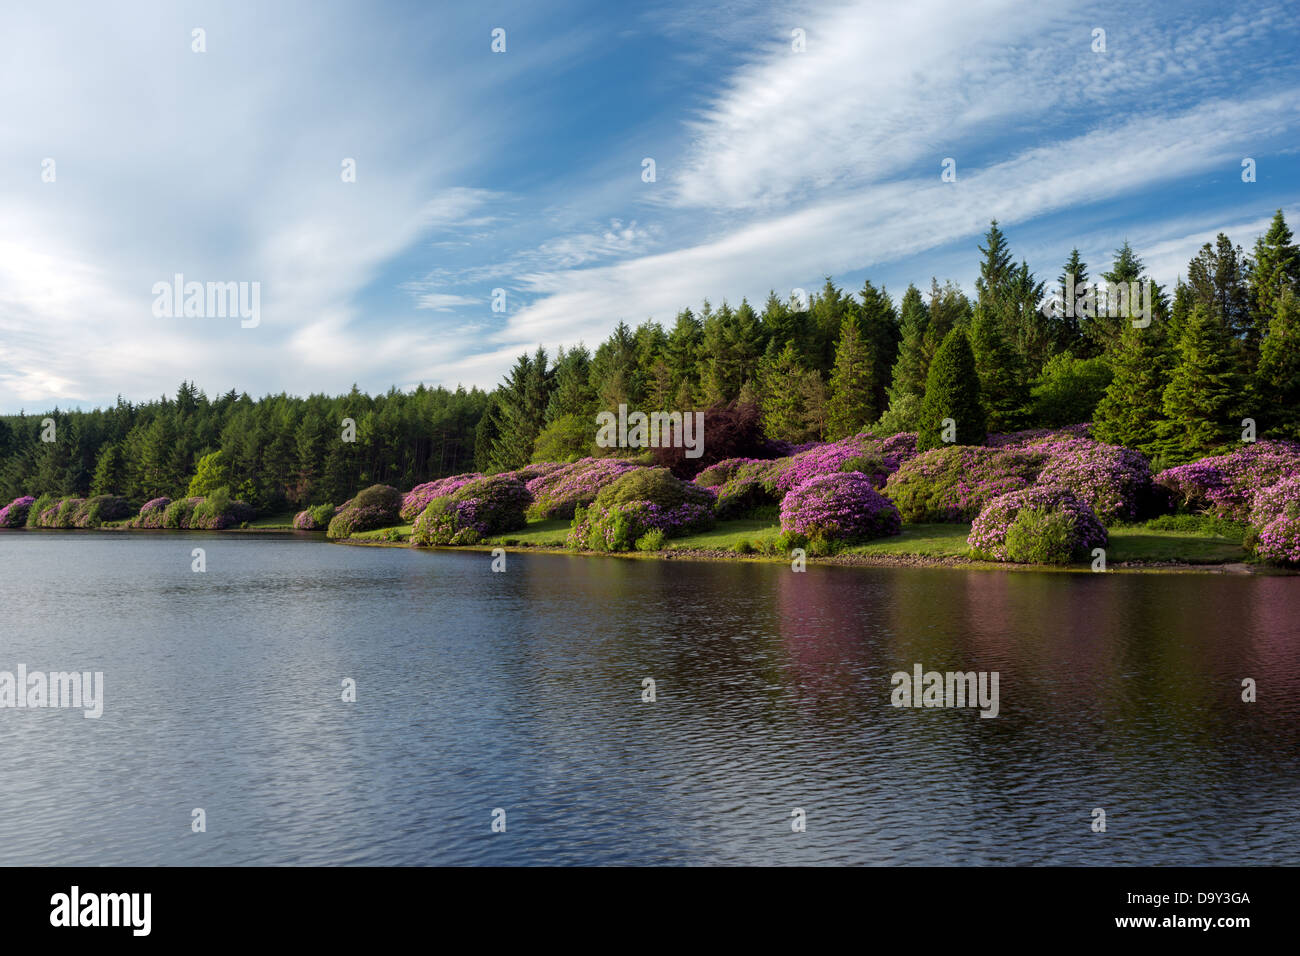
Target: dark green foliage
{"x":952,"y":390}
{"x":1069,"y":390}
{"x":1203,"y":394}
{"x":850,"y":406}
{"x":1132,"y":409}
{"x":1040,"y":536}
{"x":1276,"y":400}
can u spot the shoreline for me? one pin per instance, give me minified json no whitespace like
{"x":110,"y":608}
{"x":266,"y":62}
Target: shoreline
{"x":891,"y":560}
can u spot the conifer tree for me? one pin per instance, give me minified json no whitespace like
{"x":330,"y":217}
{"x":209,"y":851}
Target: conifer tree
{"x":850,"y":407}
{"x":952,"y":391}
{"x":1132,"y":409}
{"x":1203,"y":392}
{"x":1276,"y":396}
{"x":1275,"y":269}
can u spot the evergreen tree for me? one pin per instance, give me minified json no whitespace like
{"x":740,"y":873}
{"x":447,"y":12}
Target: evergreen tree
{"x":881,"y":332}
{"x":1202,"y":394}
{"x":1219,"y":278}
{"x":1276,"y":269}
{"x":110,"y":472}
{"x":791,"y":398}
{"x":1072,"y":282}
{"x":850,"y":405}
{"x":952,"y":390}
{"x":1276,"y":394}
{"x":1003,"y":389}
{"x":1132,"y":410}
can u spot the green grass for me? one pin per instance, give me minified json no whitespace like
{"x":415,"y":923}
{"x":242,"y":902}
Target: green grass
{"x":1131,"y":543}
{"x":538,"y":534}
{"x":1145,"y":544}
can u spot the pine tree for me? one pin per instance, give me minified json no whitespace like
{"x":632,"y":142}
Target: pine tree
{"x":1132,"y":410}
{"x":1003,"y":390}
{"x":1276,"y":395}
{"x":110,"y":472}
{"x":907,"y":379}
{"x":1203,"y":391}
{"x":1069,"y":333}
{"x":1276,"y":269}
{"x":791,"y":398}
{"x":880,"y":330}
{"x":952,"y":390}
{"x":850,"y":406}
{"x":1219,"y":277}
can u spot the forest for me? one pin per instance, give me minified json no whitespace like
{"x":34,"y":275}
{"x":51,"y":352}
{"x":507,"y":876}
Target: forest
{"x":1223,"y":345}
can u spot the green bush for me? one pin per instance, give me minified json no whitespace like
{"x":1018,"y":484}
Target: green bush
{"x":1038,"y":536}
{"x":1198,"y":524}
{"x":39,"y":505}
{"x":652,"y":540}
{"x":656,"y":485}
{"x":384,"y":497}
{"x":178,"y":513}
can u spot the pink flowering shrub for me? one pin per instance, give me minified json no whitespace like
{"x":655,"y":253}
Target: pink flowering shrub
{"x":1043,"y":525}
{"x":838,"y":508}
{"x":559,"y":493}
{"x":418,"y":498}
{"x":61,"y":513}
{"x":486,"y":506}
{"x":373,"y":507}
{"x":1224,"y":485}
{"x":640,"y":502}
{"x":151,"y":513}
{"x":1114,"y":481}
{"x":14,"y":514}
{"x":954,"y":483}
{"x":1275,"y":522}
{"x":315,"y":518}
{"x":1038,"y":436}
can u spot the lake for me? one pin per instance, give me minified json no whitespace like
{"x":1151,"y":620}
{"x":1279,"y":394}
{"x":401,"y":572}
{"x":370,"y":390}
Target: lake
{"x":522,"y":691}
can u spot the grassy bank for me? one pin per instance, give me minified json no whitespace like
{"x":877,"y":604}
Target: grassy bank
{"x":1130,"y":546}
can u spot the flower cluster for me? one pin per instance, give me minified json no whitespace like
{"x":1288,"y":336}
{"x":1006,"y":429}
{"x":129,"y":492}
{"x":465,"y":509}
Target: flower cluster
{"x":1038,"y":436}
{"x":14,"y":514}
{"x":998,"y":520}
{"x":151,"y":514}
{"x":61,"y":513}
{"x":1224,"y":485}
{"x":418,"y":498}
{"x":1275,"y":521}
{"x":483,"y":507}
{"x":618,"y":526}
{"x":315,"y":518}
{"x":559,"y":493}
{"x":861,"y":453}
{"x":955,"y":483}
{"x":1113,"y":480}
{"x":843,"y":507}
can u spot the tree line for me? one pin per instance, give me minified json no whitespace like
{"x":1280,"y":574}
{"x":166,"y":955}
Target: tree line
{"x":1222,"y":345}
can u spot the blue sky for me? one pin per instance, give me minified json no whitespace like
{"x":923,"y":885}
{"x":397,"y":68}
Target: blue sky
{"x":522,"y":170}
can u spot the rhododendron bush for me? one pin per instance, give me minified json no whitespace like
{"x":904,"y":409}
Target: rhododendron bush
{"x":1225,"y":485}
{"x":843,"y":507}
{"x":151,"y":513}
{"x":641,"y":501}
{"x":1023,"y":526}
{"x":955,"y":483}
{"x":558,"y":493}
{"x":1275,"y":522}
{"x":482,"y":507}
{"x":14,"y":514}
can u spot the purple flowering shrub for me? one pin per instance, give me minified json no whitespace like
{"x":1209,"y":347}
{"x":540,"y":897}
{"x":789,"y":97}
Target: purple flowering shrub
{"x":558,"y":493}
{"x":217,"y":511}
{"x":60,"y":513}
{"x":839,"y":508}
{"x":1038,"y":436}
{"x":1114,"y":481}
{"x":954,"y":483}
{"x":373,"y":507}
{"x":1275,"y":522}
{"x":1224,"y":485}
{"x":640,"y":502}
{"x":14,"y":514}
{"x":178,"y":513}
{"x":418,"y":498}
{"x":722,"y":472}
{"x":535,"y":470}
{"x":1041,"y":525}
{"x":315,"y":518}
{"x":151,"y":513}
{"x":486,"y":506}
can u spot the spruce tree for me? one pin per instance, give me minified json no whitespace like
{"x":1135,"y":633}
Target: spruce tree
{"x":1003,"y":389}
{"x":850,"y":407}
{"x":1069,"y":333}
{"x":881,"y":331}
{"x":1132,"y":409}
{"x":1276,"y":268}
{"x":952,"y":390}
{"x":1203,"y":392}
{"x":1275,"y":403}
{"x":791,"y":398}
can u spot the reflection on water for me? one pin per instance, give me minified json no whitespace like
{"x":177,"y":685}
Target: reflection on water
{"x":523,"y":691}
